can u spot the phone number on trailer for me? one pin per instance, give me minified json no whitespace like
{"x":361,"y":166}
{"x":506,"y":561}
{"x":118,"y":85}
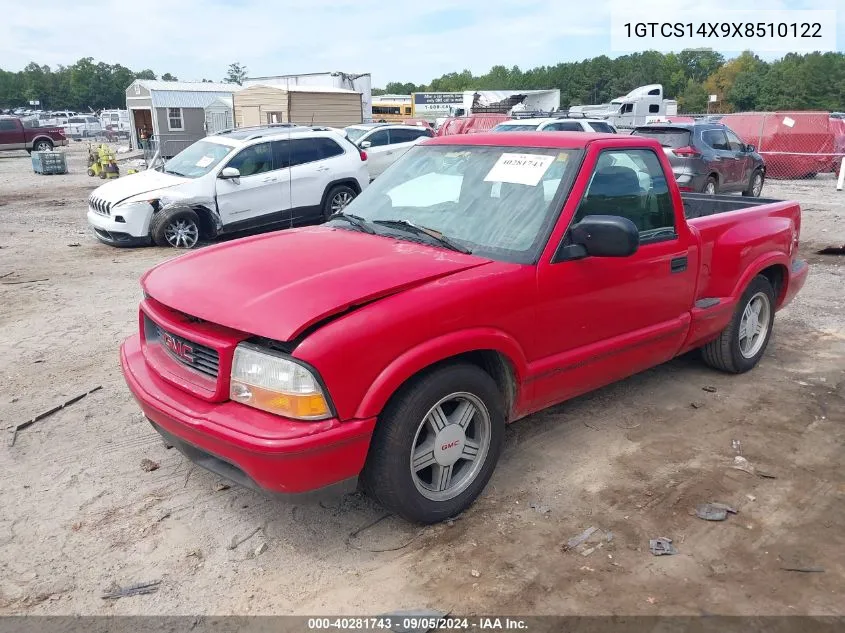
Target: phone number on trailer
{"x":386,"y":624}
{"x":723,"y":29}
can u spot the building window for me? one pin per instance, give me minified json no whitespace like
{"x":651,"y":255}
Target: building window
{"x":174,"y":119}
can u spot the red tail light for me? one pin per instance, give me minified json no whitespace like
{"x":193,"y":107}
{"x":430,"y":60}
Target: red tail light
{"x":686,"y":152}
{"x":363,"y":154}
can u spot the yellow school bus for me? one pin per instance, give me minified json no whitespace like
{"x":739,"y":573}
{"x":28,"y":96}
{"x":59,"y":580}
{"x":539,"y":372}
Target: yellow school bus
{"x":391,"y":111}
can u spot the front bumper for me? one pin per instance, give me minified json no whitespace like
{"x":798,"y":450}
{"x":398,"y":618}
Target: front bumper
{"x":127,"y":225}
{"x":235,"y":441}
{"x":797,"y":276}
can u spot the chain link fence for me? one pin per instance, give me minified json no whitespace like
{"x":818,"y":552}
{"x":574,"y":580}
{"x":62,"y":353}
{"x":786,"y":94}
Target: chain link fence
{"x":795,"y":145}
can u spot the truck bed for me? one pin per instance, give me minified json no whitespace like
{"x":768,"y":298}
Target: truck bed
{"x":700,"y":205}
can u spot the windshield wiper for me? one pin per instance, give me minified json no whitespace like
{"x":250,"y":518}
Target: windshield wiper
{"x":355,"y":220}
{"x":175,"y":173}
{"x":421,"y":230}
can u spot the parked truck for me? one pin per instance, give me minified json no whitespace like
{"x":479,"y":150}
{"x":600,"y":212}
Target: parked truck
{"x":480,"y":279}
{"x":15,"y":135}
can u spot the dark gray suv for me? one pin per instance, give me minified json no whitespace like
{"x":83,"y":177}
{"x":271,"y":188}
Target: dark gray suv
{"x":709,"y":157}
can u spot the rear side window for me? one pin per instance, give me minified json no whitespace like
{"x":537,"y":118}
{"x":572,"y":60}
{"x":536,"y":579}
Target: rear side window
{"x":405,"y":136}
{"x":76,"y":119}
{"x":564,"y":126}
{"x":603,"y":128}
{"x":653,"y":108}
{"x":379,"y":138}
{"x":308,"y":150}
{"x":631,"y":184}
{"x":667,"y":137}
{"x":715,"y":139}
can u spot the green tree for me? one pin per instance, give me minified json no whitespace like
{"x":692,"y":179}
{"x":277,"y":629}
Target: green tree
{"x":169,"y":77}
{"x":236,"y":74}
{"x":694,"y":98}
{"x":146,"y":74}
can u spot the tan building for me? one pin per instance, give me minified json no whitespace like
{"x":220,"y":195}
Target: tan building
{"x":262,"y":104}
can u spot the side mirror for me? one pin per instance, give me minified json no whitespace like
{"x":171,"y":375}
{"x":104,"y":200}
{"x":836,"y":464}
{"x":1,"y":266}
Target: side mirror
{"x":229,"y":173}
{"x":750,"y":149}
{"x":366,"y":144}
{"x":601,"y":236}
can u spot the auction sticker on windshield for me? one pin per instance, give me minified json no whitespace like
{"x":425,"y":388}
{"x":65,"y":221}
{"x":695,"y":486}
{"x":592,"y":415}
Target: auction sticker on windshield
{"x":520,"y":169}
{"x":205,"y":161}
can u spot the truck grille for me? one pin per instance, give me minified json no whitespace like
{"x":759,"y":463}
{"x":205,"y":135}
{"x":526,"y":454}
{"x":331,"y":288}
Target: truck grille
{"x":98,"y":205}
{"x":198,"y":357}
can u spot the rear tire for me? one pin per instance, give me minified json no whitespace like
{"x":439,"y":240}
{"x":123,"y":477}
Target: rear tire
{"x":711,"y":187}
{"x":178,"y":228}
{"x":336,"y":200}
{"x":734,"y":352}
{"x":755,"y":184}
{"x":43,"y":146}
{"x":436,"y":444}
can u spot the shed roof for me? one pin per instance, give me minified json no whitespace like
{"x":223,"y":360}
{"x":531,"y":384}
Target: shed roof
{"x":299,"y":88}
{"x":191,"y":86}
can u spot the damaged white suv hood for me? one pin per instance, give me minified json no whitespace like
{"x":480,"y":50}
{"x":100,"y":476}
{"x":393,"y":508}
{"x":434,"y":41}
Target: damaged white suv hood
{"x":120,"y":189}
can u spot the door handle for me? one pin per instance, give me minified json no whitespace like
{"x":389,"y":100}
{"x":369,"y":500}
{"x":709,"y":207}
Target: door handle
{"x":678,"y":264}
{"x":322,"y":168}
{"x":273,"y":179}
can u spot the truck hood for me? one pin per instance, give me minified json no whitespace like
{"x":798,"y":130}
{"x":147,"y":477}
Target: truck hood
{"x":277,"y":285}
{"x":120,"y":189}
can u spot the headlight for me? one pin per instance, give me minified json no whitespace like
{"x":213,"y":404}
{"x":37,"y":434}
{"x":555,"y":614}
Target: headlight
{"x":276,"y":384}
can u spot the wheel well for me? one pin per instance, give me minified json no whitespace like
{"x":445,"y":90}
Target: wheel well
{"x":715,"y":176}
{"x":777,"y":276}
{"x":38,"y":139}
{"x":495,"y":364}
{"x":208,"y":228}
{"x":349,"y":182}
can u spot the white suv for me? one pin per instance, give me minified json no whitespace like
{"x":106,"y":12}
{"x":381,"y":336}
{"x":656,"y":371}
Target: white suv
{"x":273,"y":176}
{"x":556,"y":125}
{"x":385,"y":143}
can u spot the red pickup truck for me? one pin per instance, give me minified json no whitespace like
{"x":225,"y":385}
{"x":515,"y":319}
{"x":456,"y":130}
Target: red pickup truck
{"x":15,"y":135}
{"x":480,"y":279}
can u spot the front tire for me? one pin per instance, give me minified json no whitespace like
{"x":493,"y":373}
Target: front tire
{"x":179,"y":228}
{"x":742,"y":344}
{"x":436,"y":444}
{"x":337,"y":199}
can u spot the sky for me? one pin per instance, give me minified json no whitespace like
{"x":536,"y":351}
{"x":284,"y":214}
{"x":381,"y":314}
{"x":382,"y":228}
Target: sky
{"x":394,"y":41}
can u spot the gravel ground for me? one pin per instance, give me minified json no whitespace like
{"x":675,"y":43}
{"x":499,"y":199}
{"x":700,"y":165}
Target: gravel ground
{"x":80,"y":513}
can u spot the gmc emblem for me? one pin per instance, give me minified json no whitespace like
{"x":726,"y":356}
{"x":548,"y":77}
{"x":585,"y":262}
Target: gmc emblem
{"x":180,"y":348}
{"x":446,"y":447}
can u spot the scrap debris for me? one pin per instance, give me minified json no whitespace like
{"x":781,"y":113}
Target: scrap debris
{"x":236,"y":541}
{"x":577,"y":540}
{"x":714,"y":511}
{"x":540,"y":508}
{"x":805,"y":570}
{"x":23,"y":281}
{"x":41,"y":416}
{"x":662,"y":546}
{"x":115,"y":591}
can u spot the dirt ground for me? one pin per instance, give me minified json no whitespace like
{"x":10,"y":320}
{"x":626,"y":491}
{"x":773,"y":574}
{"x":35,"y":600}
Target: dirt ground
{"x":79,"y":513}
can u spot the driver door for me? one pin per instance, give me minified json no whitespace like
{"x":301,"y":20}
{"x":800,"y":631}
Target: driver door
{"x":600,"y":319}
{"x":262,"y":193}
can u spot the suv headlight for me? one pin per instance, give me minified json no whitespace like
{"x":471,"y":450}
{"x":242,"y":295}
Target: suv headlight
{"x":276,"y":384}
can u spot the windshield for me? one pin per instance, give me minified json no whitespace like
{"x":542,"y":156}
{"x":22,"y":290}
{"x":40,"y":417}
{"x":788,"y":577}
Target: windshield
{"x":197,"y":160}
{"x":528,"y":127}
{"x":495,"y":202}
{"x":667,"y":137}
{"x":354,"y":133}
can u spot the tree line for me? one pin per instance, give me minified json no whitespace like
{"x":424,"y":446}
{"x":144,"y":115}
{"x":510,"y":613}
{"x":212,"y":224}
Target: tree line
{"x":83,"y":85}
{"x":814,"y":81}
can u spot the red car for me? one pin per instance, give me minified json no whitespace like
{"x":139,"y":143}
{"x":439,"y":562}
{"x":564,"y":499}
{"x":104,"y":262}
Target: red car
{"x":472,"y":124}
{"x":480,"y":279}
{"x":15,"y":135}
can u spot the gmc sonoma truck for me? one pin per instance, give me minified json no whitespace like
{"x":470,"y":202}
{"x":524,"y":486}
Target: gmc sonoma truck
{"x":481,"y":278}
{"x":15,"y":135}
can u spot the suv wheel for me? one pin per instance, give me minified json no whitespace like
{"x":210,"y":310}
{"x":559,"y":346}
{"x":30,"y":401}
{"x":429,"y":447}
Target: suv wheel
{"x":178,"y":228}
{"x":436,"y":444}
{"x":337,"y":199}
{"x":755,"y":184}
